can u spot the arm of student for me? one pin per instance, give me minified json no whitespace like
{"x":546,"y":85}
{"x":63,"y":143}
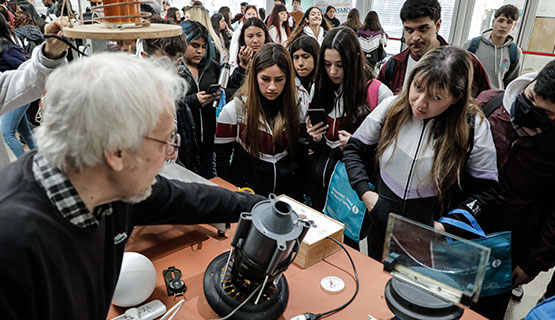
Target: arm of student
{"x":236,"y":79}
{"x":542,"y":254}
{"x":192,"y":101}
{"x":26,"y":84}
{"x":225,"y":140}
{"x":481,"y":188}
{"x":222,"y":152}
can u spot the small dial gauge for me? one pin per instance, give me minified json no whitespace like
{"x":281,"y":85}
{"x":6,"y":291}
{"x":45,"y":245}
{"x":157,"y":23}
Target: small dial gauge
{"x":332,"y":284}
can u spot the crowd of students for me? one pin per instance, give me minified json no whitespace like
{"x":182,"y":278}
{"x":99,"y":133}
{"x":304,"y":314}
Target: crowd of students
{"x":418,"y":132}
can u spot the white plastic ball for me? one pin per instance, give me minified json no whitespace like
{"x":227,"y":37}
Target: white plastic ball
{"x":136,"y":281}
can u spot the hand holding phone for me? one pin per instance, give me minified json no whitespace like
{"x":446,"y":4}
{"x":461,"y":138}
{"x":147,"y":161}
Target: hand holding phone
{"x":213,"y":88}
{"x":317,"y":115}
{"x":317,"y":124}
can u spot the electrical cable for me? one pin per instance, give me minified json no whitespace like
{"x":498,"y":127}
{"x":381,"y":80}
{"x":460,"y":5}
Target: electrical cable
{"x":242,"y":304}
{"x":173,"y":311}
{"x":64,"y":40}
{"x":312,"y":316}
{"x":259,"y":287}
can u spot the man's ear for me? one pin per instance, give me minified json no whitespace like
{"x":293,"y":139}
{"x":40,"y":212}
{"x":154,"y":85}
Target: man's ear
{"x":438,"y":25}
{"x":115,"y":159}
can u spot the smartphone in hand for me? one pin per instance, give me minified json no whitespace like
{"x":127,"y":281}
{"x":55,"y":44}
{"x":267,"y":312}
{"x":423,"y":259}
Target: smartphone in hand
{"x":213,"y":88}
{"x":317,"y":116}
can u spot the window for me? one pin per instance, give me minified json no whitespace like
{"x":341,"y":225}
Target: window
{"x":388,"y":11}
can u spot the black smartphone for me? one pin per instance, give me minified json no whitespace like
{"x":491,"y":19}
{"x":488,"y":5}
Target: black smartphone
{"x":213,"y":88}
{"x":317,"y":116}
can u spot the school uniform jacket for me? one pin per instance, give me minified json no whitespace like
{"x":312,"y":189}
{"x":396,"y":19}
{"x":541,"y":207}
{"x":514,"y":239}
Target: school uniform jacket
{"x":404,"y":169}
{"x":276,"y":170}
{"x":480,"y":78}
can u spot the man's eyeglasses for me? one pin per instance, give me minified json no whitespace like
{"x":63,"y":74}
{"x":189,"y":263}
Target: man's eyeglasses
{"x":172,"y":145}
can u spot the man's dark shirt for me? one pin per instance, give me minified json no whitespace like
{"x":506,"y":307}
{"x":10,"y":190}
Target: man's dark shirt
{"x":51,"y":268}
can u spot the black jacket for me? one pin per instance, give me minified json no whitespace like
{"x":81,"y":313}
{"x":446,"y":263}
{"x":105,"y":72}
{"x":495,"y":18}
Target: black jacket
{"x":279,"y":169}
{"x":236,"y":80}
{"x":205,"y":117}
{"x":47,"y":262}
{"x":188,"y":155}
{"x":527,"y":181}
{"x":30,"y":37}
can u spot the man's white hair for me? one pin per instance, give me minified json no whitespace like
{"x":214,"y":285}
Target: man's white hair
{"x":108,"y":101}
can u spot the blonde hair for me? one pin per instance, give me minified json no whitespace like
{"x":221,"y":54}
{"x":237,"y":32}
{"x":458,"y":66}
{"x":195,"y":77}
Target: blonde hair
{"x":450,"y":69}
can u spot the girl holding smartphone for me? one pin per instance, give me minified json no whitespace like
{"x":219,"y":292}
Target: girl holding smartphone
{"x":200,"y":71}
{"x":343,"y":97}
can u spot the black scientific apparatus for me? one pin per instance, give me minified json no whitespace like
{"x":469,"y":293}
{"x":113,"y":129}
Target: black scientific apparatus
{"x":248,"y":282}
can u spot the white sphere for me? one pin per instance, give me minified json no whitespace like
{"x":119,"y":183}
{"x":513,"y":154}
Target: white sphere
{"x":136,"y":281}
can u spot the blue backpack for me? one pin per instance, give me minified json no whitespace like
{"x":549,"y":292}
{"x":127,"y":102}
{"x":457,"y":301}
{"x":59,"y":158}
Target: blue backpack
{"x":543,"y":311}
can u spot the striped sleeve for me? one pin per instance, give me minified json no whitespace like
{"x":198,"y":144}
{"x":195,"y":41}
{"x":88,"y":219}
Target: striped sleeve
{"x":226,"y":127}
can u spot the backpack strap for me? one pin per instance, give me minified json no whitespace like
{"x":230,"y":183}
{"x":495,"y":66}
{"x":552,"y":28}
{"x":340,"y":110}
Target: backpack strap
{"x":493,"y":104}
{"x":470,"y":119}
{"x":513,"y":52}
{"x":373,"y":93}
{"x":389,"y":69}
{"x":474,"y":44}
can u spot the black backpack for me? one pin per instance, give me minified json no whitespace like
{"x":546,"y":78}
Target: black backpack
{"x":493,"y":104}
{"x":30,"y":37}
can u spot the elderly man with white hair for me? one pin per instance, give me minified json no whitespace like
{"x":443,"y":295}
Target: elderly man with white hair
{"x":67,"y":209}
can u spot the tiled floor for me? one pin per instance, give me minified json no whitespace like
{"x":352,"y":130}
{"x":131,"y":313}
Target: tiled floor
{"x":532,"y":293}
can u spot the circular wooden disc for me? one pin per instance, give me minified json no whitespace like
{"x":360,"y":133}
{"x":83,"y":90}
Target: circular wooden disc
{"x":103,"y":32}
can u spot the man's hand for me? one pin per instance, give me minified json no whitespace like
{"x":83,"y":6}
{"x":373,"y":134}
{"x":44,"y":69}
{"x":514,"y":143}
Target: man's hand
{"x":54,"y":48}
{"x":520,"y":277}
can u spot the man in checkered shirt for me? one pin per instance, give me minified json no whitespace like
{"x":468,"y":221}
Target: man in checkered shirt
{"x":67,"y":210}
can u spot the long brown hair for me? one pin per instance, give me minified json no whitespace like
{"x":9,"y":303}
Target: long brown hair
{"x":285,"y":125}
{"x":353,"y":20}
{"x":345,"y":41}
{"x":372,"y":22}
{"x":298,"y":31}
{"x":444,"y":68}
{"x":273,"y":20}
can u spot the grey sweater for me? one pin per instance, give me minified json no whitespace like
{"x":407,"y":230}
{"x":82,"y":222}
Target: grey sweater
{"x":496,"y":60}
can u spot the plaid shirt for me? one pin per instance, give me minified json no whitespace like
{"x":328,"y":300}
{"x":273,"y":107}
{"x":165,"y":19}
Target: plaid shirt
{"x":64,"y":196}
